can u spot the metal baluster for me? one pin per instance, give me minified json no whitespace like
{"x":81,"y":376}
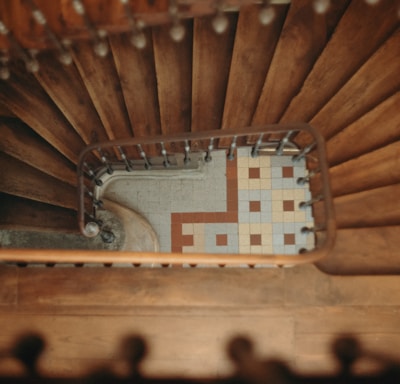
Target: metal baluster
{"x":64,"y":56}
{"x":208,"y":157}
{"x":282,"y":143}
{"x":138,"y":38}
{"x":303,"y":152}
{"x":308,"y":230}
{"x":28,"y":57}
{"x":231,"y":154}
{"x":104,"y":160}
{"x":166,"y":162}
{"x":98,"y":35}
{"x":147,"y":164}
{"x":187,"y":160}
{"x":128,"y":164}
{"x":96,"y":202}
{"x":254,"y":150}
{"x":92,"y":174}
{"x":306,"y":179}
{"x":306,"y":204}
{"x":4,"y":69}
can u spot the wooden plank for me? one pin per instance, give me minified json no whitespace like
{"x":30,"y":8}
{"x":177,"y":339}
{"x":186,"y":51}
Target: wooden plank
{"x":359,"y":251}
{"x":135,"y":287}
{"x":377,"y":128}
{"x":181,"y":341}
{"x":351,"y":45}
{"x":136,"y":70}
{"x":20,"y":179}
{"x":9,"y":286}
{"x":102,"y":83}
{"x":22,"y":214}
{"x":64,"y":85}
{"x":173,"y":63}
{"x":375,"y":207}
{"x":249,"y":66}
{"x":303,"y":37}
{"x":212,"y":55}
{"x":27,"y":100}
{"x":372,"y":170}
{"x":367,"y":88}
{"x":19,"y":141}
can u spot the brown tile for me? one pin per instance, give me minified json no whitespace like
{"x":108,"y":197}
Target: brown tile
{"x":288,"y":205}
{"x":255,"y":239}
{"x":187,"y":240}
{"x":176,"y":249}
{"x":232,"y":205}
{"x":289,"y":239}
{"x":221,"y":239}
{"x":231,"y":173}
{"x":255,"y":206}
{"x":232,"y":217}
{"x":287,"y":171}
{"x":254,"y":173}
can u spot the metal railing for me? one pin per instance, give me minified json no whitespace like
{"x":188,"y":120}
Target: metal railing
{"x":106,"y":157}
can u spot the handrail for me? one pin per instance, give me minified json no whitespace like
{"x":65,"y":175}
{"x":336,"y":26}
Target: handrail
{"x":83,"y":256}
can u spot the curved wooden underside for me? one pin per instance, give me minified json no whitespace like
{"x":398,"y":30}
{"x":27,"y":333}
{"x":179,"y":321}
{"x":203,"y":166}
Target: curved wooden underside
{"x":338,"y":72}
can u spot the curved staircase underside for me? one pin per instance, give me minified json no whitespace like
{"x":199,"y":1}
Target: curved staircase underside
{"x":338,"y":72}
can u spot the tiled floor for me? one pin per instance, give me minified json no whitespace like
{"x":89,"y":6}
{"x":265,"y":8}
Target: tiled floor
{"x":248,"y":205}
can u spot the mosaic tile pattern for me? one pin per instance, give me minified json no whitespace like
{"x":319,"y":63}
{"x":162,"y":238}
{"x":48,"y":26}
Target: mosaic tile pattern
{"x":248,"y":205}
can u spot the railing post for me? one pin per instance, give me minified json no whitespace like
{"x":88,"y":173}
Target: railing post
{"x":128,"y":164}
{"x":104,"y":160}
{"x":231,"y":154}
{"x":254,"y":150}
{"x":142,"y":153}
{"x":306,"y":204}
{"x":187,"y":159}
{"x":303,"y":152}
{"x":166,"y":162}
{"x":92,"y":175}
{"x":208,"y":157}
{"x":283,"y":142}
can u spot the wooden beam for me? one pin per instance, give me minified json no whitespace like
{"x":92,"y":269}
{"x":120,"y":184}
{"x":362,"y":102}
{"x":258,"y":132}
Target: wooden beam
{"x":103,"y":85}
{"x":372,"y":208}
{"x":364,"y":251}
{"x":352,"y":43}
{"x":22,"y":214}
{"x":19,"y":179}
{"x":377,"y":128}
{"x":302,"y":39}
{"x":29,"y":102}
{"x":249,"y":66}
{"x":375,"y":81}
{"x":64,"y":85}
{"x":173,"y":62}
{"x":136,"y":70}
{"x":19,"y":141}
{"x":372,"y":170}
{"x":212,"y":55}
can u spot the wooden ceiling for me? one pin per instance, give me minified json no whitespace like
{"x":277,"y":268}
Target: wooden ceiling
{"x":338,"y":71}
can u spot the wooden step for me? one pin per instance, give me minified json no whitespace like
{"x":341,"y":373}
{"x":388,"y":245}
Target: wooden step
{"x":360,"y":251}
{"x":375,"y":207}
{"x":17,"y":213}
{"x":20,"y":179}
{"x":21,"y":142}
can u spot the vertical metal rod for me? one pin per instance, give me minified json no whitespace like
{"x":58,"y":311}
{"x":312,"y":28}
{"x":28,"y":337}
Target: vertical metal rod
{"x":254,"y":150}
{"x":28,"y":57}
{"x":231,"y":154}
{"x":105,"y":161}
{"x":187,"y":160}
{"x":98,"y":35}
{"x":138,"y":38}
{"x":306,"y":204}
{"x":283,"y":142}
{"x":96,"y":202}
{"x":64,"y":56}
{"x":166,"y":162}
{"x":208,"y":157}
{"x":303,"y":152}
{"x":147,"y":164}
{"x":128,"y":164}
{"x":92,"y":175}
{"x":306,"y":179}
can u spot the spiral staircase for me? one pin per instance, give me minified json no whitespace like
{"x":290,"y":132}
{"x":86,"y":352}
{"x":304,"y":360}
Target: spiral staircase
{"x":337,"y":71}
